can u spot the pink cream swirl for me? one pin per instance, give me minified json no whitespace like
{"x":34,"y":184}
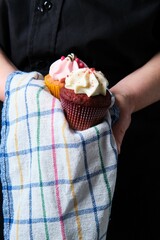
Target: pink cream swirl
{"x":65,"y":65}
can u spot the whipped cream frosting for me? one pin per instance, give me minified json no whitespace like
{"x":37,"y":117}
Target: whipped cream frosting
{"x":63,"y":66}
{"x":87,"y":81}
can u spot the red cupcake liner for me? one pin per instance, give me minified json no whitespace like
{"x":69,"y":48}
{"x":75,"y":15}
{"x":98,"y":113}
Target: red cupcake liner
{"x":82,"y":117}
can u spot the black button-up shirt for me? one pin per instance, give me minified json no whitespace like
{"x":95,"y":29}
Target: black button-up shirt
{"x":115,"y":37}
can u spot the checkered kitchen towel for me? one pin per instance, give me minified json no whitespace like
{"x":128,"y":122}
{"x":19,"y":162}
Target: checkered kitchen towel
{"x":57,"y":183}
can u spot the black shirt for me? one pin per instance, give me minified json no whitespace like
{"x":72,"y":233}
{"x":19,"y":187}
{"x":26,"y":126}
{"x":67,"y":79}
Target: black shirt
{"x":116,"y":37}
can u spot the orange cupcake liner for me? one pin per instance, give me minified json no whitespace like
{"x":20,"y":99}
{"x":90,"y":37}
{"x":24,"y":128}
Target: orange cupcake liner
{"x":53,"y":85}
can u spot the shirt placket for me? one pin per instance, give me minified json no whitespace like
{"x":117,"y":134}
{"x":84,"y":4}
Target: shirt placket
{"x":43,"y":33}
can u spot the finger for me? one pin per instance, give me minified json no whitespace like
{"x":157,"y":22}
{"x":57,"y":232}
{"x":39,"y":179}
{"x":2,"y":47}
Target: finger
{"x":118,"y":132}
{"x":119,"y":129}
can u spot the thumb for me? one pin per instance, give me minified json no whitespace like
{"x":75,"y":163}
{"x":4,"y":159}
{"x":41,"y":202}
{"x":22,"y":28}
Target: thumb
{"x":119,"y":129}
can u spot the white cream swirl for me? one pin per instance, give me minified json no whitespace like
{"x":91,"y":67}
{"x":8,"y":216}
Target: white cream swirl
{"x":87,"y":81}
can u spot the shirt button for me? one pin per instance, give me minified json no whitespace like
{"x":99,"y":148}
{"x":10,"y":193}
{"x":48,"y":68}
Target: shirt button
{"x":47,"y":5}
{"x":40,"y":9}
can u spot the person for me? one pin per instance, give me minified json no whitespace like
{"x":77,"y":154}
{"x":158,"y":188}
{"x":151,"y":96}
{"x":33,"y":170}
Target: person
{"x":122,"y":40}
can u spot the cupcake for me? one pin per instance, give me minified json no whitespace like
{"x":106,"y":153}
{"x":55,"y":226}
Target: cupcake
{"x":58,"y":71}
{"x":85,"y":98}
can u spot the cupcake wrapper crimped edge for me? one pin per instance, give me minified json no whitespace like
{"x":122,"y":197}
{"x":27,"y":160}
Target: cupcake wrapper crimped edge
{"x":82,"y":117}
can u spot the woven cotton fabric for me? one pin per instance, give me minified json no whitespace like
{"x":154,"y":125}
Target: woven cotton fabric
{"x":57,"y":183}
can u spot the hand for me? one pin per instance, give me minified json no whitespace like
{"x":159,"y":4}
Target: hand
{"x":135,"y":92}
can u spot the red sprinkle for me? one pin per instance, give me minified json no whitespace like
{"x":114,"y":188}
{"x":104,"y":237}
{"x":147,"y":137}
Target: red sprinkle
{"x":81,"y":65}
{"x":62,"y":58}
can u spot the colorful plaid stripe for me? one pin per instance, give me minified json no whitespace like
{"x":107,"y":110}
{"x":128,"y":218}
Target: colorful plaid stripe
{"x":31,"y":159}
{"x":57,"y":183}
{"x":56,"y":176}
